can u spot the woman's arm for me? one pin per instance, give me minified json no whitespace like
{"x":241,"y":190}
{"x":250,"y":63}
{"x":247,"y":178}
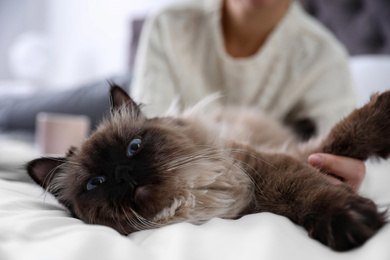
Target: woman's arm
{"x":154,"y":78}
{"x":329,"y":95}
{"x":328,"y":100}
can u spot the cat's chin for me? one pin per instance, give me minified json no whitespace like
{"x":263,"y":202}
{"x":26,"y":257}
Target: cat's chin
{"x":147,"y":202}
{"x":142,"y":193}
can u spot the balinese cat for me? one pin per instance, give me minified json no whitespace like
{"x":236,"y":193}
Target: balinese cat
{"x":136,"y":173}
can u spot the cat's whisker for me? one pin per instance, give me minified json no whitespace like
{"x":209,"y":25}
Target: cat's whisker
{"x":64,"y":160}
{"x":128,"y":219}
{"x":91,"y":216}
{"x":213,"y":150}
{"x":140,"y":224}
{"x":74,"y":163}
{"x":49,"y":176}
{"x":254,"y":156}
{"x":52,"y":185}
{"x":202,"y":154}
{"x":193,"y":160}
{"x":114,"y":217}
{"x":185,"y":161}
{"x":146,"y":222}
{"x":134,"y":224}
{"x":242,"y":171}
{"x":221,"y":154}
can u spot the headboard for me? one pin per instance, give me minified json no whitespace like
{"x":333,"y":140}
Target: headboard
{"x":363,"y":26}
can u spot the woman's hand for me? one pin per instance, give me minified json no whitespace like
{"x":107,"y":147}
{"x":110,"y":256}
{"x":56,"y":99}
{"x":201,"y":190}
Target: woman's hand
{"x":348,"y":170}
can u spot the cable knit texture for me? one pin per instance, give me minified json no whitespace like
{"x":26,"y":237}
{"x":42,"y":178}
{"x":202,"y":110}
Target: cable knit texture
{"x":300,"y":72}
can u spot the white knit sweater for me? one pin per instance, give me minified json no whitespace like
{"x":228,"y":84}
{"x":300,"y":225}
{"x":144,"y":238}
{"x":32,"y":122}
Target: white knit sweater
{"x":300,"y":72}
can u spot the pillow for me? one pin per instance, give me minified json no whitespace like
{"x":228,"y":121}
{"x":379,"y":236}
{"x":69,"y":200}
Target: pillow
{"x":91,"y":100}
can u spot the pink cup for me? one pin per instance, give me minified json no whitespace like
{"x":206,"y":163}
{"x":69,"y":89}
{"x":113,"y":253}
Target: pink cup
{"x":55,"y":133}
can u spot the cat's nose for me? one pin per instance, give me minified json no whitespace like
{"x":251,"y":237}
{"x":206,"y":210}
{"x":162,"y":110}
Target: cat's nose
{"x":123,"y":174}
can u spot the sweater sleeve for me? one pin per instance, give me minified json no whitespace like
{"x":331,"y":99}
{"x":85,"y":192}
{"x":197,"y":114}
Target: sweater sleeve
{"x":154,"y":79}
{"x":329,"y":95}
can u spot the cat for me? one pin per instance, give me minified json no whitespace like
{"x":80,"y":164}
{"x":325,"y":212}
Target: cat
{"x":135,"y":173}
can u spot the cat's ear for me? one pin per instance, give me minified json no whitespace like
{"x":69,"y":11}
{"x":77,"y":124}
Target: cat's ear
{"x":119,"y":98}
{"x":42,"y":170}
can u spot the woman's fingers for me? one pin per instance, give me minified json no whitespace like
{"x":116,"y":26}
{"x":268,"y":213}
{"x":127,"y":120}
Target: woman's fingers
{"x":348,"y":170}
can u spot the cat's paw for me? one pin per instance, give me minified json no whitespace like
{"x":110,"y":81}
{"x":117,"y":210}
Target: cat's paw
{"x":378,"y":108}
{"x":347,"y":228}
{"x":377,"y":124}
{"x":365,"y":132}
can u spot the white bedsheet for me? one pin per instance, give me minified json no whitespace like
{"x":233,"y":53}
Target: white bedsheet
{"x":34,"y":226}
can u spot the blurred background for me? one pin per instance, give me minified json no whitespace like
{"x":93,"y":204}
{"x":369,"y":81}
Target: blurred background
{"x":64,"y":43}
{"x":56,"y":55}
{"x":61,"y":44}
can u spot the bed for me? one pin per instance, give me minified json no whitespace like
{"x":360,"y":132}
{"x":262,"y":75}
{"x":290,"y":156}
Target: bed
{"x":34,"y":226}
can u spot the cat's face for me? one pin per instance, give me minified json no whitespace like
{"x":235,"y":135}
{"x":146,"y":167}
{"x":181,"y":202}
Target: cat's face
{"x":133,"y":173}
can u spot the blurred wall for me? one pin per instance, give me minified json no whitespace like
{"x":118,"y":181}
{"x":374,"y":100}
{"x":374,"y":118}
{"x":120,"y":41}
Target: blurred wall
{"x":17,"y":17}
{"x":69,"y":41}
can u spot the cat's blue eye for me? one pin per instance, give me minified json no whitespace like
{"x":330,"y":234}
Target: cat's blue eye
{"x":133,"y":147}
{"x":95,"y":182}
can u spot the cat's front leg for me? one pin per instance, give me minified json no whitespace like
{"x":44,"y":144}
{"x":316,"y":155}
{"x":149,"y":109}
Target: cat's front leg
{"x":332,"y":214}
{"x":347,"y":223}
{"x":364,"y":133}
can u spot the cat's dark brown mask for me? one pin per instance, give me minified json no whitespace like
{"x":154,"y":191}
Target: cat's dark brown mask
{"x":131,"y":174}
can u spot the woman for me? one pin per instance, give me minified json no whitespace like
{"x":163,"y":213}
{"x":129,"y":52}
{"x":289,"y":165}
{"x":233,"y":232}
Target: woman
{"x":264,"y":54}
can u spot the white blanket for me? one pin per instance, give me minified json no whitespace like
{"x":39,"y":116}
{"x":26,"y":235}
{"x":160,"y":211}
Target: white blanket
{"x":34,"y":226}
